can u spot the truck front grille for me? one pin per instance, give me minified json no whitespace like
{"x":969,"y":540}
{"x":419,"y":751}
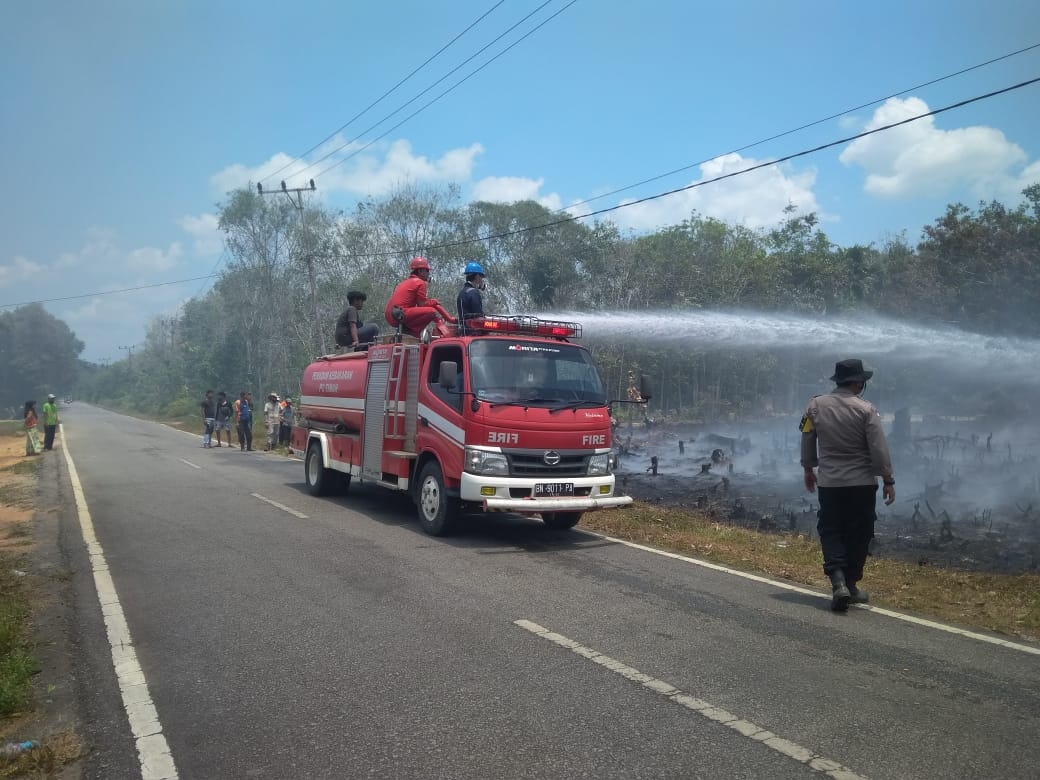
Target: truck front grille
{"x":532,"y":464}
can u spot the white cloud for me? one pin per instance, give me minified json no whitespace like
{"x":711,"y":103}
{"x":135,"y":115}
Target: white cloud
{"x":919,"y":158}
{"x":509,"y":189}
{"x":98,"y":249}
{"x":237,"y":175}
{"x":101,"y":257}
{"x":373,"y":172}
{"x":151,"y":259}
{"x":755,"y":199}
{"x":205,"y":230}
{"x":102,"y":263}
{"x":22,"y":269}
{"x":1029,"y":176}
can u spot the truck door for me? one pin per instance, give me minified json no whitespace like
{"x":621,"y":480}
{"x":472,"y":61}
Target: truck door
{"x":391,"y":407}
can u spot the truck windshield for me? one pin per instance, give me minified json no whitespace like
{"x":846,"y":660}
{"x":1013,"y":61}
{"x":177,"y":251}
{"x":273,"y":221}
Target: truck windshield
{"x":535,"y":372}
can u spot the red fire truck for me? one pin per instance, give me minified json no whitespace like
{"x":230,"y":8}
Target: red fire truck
{"x":510,"y":417}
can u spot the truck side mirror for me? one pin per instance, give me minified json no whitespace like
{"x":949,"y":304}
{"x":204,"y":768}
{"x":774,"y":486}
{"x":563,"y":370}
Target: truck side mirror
{"x":449,"y":373}
{"x":646,"y":390}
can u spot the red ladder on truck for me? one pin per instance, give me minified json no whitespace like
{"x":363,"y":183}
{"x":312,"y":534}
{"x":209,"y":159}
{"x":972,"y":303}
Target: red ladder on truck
{"x":391,"y":411}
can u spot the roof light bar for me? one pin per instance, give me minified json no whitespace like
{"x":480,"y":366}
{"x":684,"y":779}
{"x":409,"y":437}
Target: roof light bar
{"x":517,"y":324}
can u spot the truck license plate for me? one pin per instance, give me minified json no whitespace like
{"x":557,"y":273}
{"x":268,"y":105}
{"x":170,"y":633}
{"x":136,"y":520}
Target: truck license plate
{"x":553,"y":489}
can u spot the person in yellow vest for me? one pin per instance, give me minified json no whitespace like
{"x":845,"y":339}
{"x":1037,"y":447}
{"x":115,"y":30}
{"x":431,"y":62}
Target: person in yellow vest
{"x":50,"y":422}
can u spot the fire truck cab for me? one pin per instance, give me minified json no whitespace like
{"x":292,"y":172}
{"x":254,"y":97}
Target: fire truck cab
{"x":512,"y":416}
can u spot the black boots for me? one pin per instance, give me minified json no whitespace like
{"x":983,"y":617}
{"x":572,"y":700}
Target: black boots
{"x":844,"y":593}
{"x":840,"y":597}
{"x":857,"y":596}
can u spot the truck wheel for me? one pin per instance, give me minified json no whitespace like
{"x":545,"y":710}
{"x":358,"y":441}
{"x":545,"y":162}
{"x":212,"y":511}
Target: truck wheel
{"x":342,"y":482}
{"x":320,"y":480}
{"x":561,"y":521}
{"x":437,"y":512}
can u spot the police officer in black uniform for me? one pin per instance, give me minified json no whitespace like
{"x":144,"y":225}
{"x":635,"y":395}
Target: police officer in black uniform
{"x":843,"y":437}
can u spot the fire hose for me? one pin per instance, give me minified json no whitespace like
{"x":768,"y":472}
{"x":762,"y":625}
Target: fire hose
{"x":436,"y":305}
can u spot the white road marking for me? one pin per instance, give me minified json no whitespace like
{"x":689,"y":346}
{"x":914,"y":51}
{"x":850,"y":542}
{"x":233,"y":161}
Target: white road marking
{"x":993,"y":640}
{"x":283,"y":507}
{"x":189,"y":463}
{"x":152,"y":750}
{"x":728,"y":719}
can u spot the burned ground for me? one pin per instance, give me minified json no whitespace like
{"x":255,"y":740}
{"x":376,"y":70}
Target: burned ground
{"x":968,"y":491}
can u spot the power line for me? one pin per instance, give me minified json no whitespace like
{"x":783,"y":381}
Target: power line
{"x":805,"y":126}
{"x":416,"y":97}
{"x":106,"y":292}
{"x":774,"y":137}
{"x":597,"y":212}
{"x":458,"y":67}
{"x":386,"y":94}
{"x":213,"y":271}
{"x":306,"y":255}
{"x":442,"y":94}
{"x":694,"y":185}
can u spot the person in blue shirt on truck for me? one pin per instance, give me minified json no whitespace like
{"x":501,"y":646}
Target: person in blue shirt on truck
{"x":470,"y":302}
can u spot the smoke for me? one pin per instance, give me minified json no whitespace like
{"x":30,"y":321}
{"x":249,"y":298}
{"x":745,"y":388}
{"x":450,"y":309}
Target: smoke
{"x":968,"y":473}
{"x":949,"y":351}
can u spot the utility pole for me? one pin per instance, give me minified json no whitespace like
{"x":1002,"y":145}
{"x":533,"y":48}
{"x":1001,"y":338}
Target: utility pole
{"x":308,"y":257}
{"x":129,"y":356}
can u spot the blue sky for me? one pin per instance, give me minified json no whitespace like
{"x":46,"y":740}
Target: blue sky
{"x":125,"y":122}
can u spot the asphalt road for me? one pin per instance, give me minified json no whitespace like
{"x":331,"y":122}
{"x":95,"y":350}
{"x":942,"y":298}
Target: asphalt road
{"x":346,"y":643}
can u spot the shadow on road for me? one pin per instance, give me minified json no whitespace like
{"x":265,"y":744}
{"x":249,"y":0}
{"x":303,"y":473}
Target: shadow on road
{"x":496,"y":533}
{"x":801,"y":599}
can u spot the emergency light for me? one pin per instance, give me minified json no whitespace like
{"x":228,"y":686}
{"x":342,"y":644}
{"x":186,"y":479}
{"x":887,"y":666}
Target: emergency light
{"x":517,"y":324}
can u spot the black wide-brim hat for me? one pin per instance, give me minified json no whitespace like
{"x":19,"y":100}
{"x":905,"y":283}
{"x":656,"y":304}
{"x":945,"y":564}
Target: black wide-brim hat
{"x":850,"y":370}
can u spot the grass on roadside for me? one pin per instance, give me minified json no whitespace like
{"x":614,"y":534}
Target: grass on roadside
{"x":17,"y":666}
{"x":20,"y":496}
{"x":45,"y":759}
{"x":26,"y":467}
{"x":1006,"y":604}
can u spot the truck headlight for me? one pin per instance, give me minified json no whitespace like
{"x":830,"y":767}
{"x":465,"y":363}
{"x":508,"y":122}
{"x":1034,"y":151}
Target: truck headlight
{"x":600,"y":465}
{"x":486,"y":463}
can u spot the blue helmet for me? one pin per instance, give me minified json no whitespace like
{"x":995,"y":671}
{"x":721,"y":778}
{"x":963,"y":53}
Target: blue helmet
{"x":474,"y":267}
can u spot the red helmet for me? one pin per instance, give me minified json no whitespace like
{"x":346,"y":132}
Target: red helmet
{"x":420,"y":262}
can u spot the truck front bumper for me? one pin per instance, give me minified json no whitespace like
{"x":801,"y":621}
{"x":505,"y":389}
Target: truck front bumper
{"x":512,"y":494}
{"x":570,"y":504}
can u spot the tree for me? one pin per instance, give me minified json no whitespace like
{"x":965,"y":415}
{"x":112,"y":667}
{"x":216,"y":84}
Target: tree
{"x":38,"y":353}
{"x":989,"y":263}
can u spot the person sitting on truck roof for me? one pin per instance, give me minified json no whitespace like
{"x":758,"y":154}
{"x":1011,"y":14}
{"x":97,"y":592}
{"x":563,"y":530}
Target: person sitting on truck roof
{"x":350,"y":330}
{"x":410,"y":296}
{"x":470,"y":303}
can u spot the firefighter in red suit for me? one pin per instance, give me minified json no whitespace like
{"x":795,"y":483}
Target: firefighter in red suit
{"x":410,"y":295}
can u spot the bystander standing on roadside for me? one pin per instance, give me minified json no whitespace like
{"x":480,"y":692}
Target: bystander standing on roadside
{"x":271,"y":420}
{"x":245,"y":421}
{"x":236,"y":408}
{"x":50,"y":421}
{"x":32,"y":432}
{"x":209,"y":418}
{"x":842,"y":435}
{"x":223,"y":419}
{"x":285,"y":422}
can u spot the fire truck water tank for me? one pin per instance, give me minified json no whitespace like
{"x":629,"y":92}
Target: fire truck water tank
{"x":333,"y":390}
